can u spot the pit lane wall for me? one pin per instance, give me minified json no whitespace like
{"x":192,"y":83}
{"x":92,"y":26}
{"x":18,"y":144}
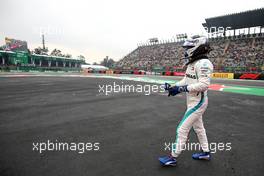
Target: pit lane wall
{"x":253,"y":76}
{"x":217,"y":75}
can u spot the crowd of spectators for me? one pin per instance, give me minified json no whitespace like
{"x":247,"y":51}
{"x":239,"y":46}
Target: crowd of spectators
{"x":239,"y":53}
{"x":160,"y":55}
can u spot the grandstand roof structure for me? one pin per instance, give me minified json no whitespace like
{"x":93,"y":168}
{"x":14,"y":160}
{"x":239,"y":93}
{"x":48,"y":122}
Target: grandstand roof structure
{"x":247,"y":19}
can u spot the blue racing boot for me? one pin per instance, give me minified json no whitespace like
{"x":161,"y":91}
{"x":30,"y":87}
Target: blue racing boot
{"x":168,"y":160}
{"x":202,"y":156}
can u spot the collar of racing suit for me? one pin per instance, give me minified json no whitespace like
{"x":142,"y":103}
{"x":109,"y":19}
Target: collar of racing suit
{"x":202,"y":56}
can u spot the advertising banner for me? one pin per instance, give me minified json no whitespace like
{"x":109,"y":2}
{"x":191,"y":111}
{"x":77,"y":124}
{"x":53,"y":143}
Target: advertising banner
{"x":223,"y":75}
{"x":15,"y":45}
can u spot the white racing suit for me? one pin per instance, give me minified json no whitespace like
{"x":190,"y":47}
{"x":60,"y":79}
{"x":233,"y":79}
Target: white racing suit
{"x":197,"y":77}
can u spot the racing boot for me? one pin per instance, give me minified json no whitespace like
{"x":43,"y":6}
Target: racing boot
{"x":168,"y":160}
{"x":202,"y":156}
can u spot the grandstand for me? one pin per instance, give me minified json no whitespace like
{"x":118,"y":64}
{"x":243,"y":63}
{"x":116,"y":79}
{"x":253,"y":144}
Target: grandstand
{"x":233,"y":50}
{"x":25,"y":61}
{"x":16,"y":56}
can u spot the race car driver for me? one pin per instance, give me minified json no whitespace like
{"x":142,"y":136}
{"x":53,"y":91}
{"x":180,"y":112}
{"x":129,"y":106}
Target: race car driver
{"x":195,"y":83}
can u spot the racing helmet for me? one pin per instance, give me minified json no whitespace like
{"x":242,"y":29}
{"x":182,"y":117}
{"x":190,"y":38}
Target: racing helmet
{"x":195,"y":47}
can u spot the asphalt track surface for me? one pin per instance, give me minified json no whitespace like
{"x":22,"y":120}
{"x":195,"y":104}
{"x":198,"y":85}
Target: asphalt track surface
{"x":130,"y":127}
